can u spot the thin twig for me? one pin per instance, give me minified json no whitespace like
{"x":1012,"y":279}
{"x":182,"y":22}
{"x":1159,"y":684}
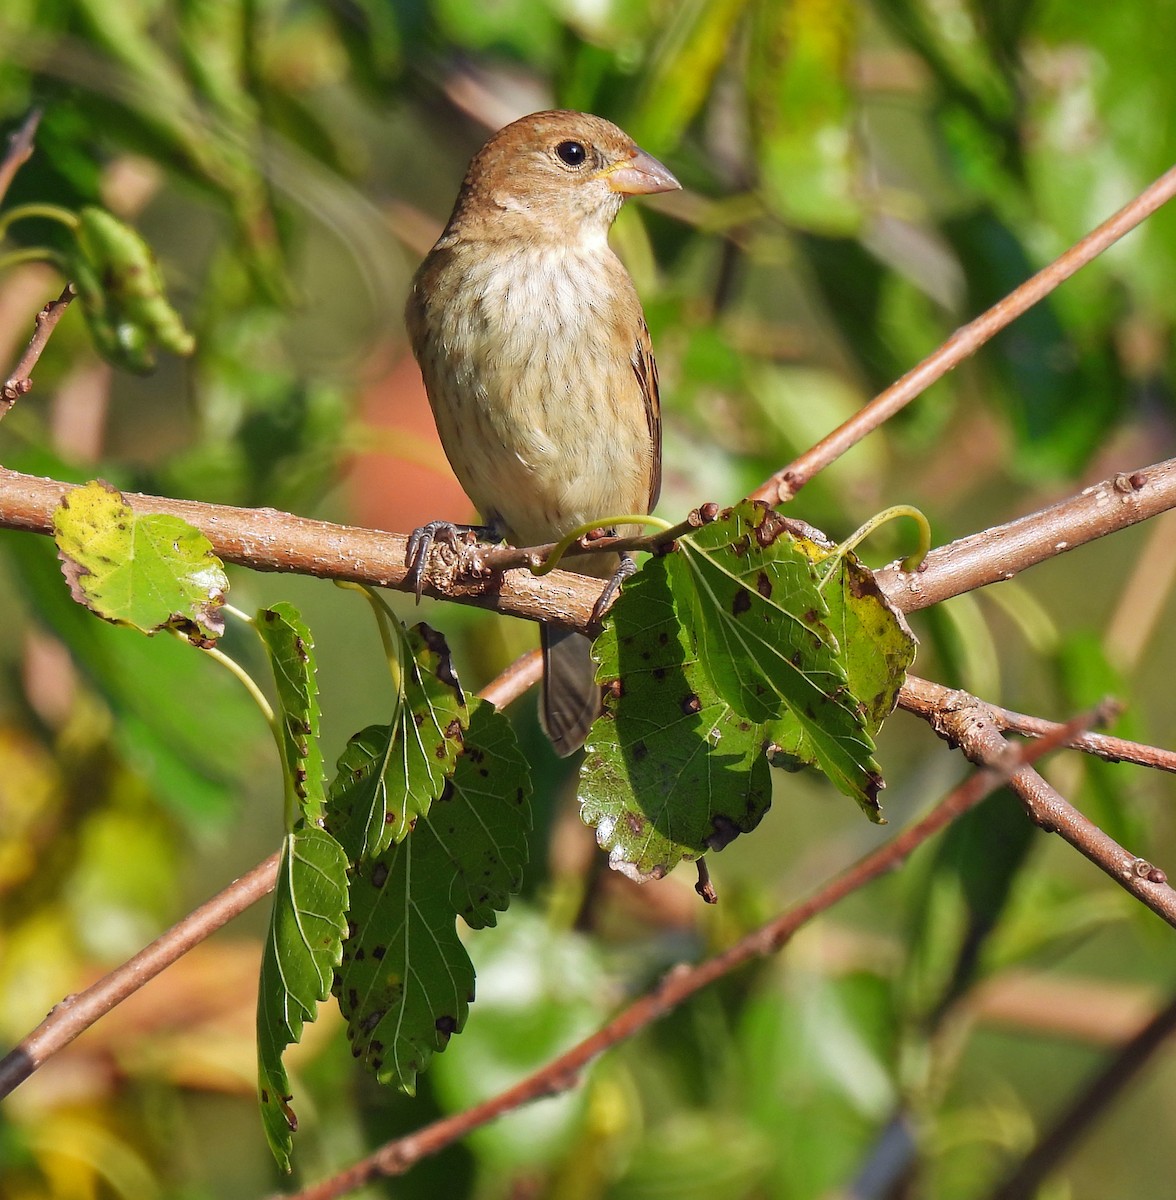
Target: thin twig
{"x":964,"y":343}
{"x":970,"y":727}
{"x":1092,"y":1102}
{"x":925,"y":698}
{"x":77,"y":1013}
{"x":20,"y":381}
{"x":562,"y":1073}
{"x":20,"y":150}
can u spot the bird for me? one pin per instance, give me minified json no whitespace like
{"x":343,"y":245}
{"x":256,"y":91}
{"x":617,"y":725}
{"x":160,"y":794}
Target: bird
{"x":538,"y":363}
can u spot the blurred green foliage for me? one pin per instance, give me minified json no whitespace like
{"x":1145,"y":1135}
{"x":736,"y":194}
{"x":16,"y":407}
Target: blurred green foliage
{"x":861,"y":179}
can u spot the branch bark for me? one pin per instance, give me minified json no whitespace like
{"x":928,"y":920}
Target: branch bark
{"x":964,"y":721}
{"x":964,"y":343}
{"x":1074,"y":1123}
{"x":267,"y":540}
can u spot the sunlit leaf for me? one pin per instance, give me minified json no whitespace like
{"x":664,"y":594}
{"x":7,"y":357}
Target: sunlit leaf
{"x":151,"y":571}
{"x":761,"y":626}
{"x":406,"y":982}
{"x":401,"y":767}
{"x":290,"y":648}
{"x":302,"y":949}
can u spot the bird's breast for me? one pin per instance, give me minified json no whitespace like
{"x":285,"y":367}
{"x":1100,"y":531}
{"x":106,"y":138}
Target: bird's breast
{"x":528,"y":360}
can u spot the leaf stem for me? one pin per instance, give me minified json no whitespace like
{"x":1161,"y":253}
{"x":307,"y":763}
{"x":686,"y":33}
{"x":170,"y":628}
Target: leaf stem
{"x":49,"y":212}
{"x":564,"y":544}
{"x":15,"y":258}
{"x":386,"y":621}
{"x":913,"y":561}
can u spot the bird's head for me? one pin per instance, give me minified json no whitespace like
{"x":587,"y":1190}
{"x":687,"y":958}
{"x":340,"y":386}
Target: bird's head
{"x":552,"y":173}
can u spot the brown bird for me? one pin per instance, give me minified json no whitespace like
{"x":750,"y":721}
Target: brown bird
{"x":537,"y":360}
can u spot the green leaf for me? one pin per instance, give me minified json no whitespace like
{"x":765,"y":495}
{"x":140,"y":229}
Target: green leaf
{"x":122,"y":293}
{"x":804,"y":117}
{"x":290,"y":648}
{"x":403,"y":765}
{"x":406,"y":982}
{"x":302,"y":949}
{"x":151,"y":572}
{"x":877,"y":647}
{"x":761,"y":626}
{"x":670,"y":772}
{"x":695,"y":42}
{"x":718,"y":654}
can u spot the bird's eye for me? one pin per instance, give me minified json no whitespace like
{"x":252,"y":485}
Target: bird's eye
{"x":572,"y":154}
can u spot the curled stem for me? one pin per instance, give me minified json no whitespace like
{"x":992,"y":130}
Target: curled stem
{"x":565,"y":543}
{"x":49,"y":212}
{"x":913,"y":561}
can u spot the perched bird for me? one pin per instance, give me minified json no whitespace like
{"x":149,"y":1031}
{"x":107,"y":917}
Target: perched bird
{"x":537,"y":360}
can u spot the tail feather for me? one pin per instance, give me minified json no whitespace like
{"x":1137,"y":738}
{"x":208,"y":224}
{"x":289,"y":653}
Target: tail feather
{"x":571,"y":695}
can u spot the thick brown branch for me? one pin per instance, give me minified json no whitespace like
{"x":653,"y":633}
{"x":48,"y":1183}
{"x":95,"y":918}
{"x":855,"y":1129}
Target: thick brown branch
{"x":996,"y":554}
{"x":965,"y":342}
{"x":683,"y":981}
{"x":267,"y":540}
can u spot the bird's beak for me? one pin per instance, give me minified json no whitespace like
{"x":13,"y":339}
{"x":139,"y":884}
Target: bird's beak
{"x":640,"y":175}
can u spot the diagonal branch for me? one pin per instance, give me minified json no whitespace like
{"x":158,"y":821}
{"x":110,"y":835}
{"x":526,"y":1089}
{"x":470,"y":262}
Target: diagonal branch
{"x":20,"y":380}
{"x":77,"y":1013}
{"x":968,"y":725}
{"x":562,"y":1073}
{"x":1074,"y":1123}
{"x":964,"y":343}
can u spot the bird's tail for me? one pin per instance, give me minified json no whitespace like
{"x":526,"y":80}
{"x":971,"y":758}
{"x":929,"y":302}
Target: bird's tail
{"x":571,"y":695}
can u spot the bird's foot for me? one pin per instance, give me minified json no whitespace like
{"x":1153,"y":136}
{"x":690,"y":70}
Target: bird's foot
{"x":421,"y":542}
{"x":625,"y":568}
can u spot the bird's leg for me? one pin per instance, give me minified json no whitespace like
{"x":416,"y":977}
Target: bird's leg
{"x":625,"y":568}
{"x":422,"y":540}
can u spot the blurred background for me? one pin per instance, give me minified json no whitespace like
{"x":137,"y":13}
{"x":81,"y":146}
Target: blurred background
{"x":859,"y":180}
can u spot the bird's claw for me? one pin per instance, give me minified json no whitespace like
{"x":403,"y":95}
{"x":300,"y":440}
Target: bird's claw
{"x":626,"y":567}
{"x":421,"y":542}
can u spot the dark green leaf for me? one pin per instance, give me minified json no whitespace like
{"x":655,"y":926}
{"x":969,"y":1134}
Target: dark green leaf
{"x":302,"y":949}
{"x":403,"y":765}
{"x":290,"y":648}
{"x":406,"y":981}
{"x":671,"y":772}
{"x":760,"y":622}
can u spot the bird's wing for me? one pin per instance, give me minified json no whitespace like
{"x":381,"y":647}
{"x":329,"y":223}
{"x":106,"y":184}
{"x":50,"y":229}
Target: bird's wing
{"x":645,"y":368}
